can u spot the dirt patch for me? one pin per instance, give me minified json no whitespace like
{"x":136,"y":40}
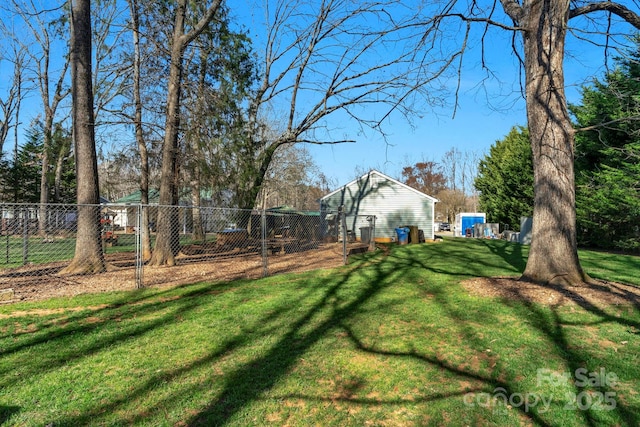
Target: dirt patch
{"x":42,"y":281}
{"x":600,"y":294}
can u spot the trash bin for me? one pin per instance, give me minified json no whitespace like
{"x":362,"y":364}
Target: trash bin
{"x":365,"y":235}
{"x":413,"y":234}
{"x":403,"y":235}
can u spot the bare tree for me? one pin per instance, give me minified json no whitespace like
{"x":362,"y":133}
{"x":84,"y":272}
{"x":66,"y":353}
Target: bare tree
{"x":50,"y":80}
{"x":167,"y":225}
{"x":329,"y":62}
{"x":450,"y":203}
{"x":452,"y":165}
{"x":139,"y":131}
{"x":64,"y":143}
{"x":11,"y":101}
{"x":470,"y":163}
{"x":88,"y":257}
{"x":293,"y":179}
{"x":539,"y":29}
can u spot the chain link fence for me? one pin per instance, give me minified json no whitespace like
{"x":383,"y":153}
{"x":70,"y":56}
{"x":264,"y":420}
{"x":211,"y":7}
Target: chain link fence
{"x":196,"y":243}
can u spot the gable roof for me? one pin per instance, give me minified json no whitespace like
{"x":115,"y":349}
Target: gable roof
{"x":284,"y":209}
{"x":388,"y":178}
{"x":136,"y":196}
{"x":154,"y":197}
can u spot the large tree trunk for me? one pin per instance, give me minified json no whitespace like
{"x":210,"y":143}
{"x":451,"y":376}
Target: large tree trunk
{"x":88,"y":256}
{"x":553,"y":257}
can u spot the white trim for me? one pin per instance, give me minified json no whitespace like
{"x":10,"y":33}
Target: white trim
{"x":375,"y":172}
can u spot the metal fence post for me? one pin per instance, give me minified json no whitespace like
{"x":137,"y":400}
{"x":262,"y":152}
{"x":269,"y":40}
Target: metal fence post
{"x":6,"y":230}
{"x":263,"y":232}
{"x":138,"y":247}
{"x":25,"y":236}
{"x":372,"y":236}
{"x":343,"y":222}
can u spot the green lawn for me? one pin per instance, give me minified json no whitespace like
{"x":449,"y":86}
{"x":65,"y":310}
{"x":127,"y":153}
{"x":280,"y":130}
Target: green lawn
{"x":16,"y":251}
{"x":386,"y":341}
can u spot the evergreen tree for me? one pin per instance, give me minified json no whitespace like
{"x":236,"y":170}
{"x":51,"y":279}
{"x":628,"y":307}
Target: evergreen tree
{"x":505,"y":179}
{"x":607,"y":159}
{"x":21,"y":176}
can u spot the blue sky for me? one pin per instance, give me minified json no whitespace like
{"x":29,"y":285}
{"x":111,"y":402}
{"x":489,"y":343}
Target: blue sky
{"x":486,"y":112}
{"x":481,"y":119}
{"x":474,"y":128}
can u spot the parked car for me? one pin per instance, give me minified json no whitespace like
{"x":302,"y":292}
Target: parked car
{"x":445,"y":226}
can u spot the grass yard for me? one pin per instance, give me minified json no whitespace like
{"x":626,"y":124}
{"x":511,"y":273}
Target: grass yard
{"x":16,"y":251}
{"x":389,"y":340}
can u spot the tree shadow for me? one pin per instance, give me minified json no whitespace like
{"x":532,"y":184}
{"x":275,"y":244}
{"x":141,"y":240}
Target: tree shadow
{"x":512,"y":253}
{"x":333,"y":304}
{"x":6,"y":412}
{"x":551,"y":322}
{"x":75,"y":325}
{"x":252,"y":380}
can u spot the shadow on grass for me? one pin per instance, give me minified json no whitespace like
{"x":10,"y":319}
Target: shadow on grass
{"x":551,"y":322}
{"x":145,"y":304}
{"x":251,"y":381}
{"x":513,"y":253}
{"x":310,"y":318}
{"x":6,"y":412}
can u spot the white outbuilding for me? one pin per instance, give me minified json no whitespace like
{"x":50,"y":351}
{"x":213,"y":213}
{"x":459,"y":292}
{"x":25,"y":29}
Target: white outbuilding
{"x":392,"y":203}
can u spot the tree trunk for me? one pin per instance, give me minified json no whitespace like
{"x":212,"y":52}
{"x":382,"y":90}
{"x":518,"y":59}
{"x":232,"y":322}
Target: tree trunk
{"x":553,"y":256}
{"x":44,"y":173}
{"x":88,"y":257}
{"x":248,"y":191}
{"x":167,"y":237}
{"x":145,"y":235}
{"x":198,"y":226}
{"x":65,"y":149}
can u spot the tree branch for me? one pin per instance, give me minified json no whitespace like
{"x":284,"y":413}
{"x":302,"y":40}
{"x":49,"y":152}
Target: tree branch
{"x":514,"y":10}
{"x":202,"y":23}
{"x":611,"y":7}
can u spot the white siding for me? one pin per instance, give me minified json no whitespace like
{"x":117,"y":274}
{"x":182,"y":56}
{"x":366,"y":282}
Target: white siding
{"x":393,"y":203}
